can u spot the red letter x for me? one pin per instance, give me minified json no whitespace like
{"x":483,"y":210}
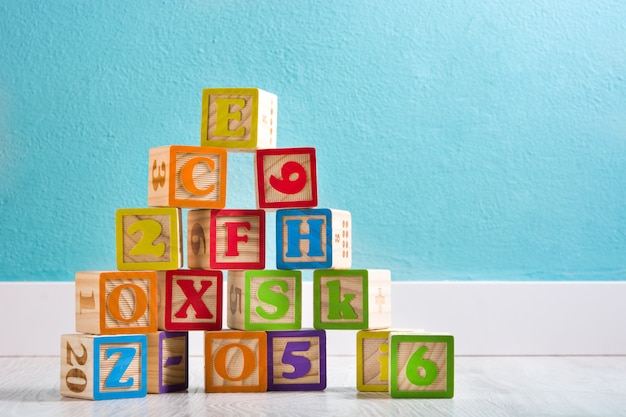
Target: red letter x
{"x":194,"y":299}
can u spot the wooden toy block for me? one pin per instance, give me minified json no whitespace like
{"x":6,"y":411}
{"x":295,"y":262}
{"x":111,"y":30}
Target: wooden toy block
{"x":168,"y":362}
{"x":198,"y":239}
{"x":235,"y":361}
{"x":116,"y":302}
{"x":103,"y":367}
{"x":372,"y":361}
{"x":187,"y":176}
{"x":148,"y":238}
{"x":286,"y":178}
{"x":352,"y":299}
{"x":272,"y":300}
{"x":421,"y":365}
{"x":313,"y":238}
{"x":239,"y":119}
{"x":296,"y":360}
{"x":190,"y":300}
{"x":237,"y":239}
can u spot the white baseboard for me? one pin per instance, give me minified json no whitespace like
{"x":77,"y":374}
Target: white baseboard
{"x":486,"y":318}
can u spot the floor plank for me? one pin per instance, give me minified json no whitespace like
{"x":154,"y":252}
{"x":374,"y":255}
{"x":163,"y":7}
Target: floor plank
{"x":484,"y":387}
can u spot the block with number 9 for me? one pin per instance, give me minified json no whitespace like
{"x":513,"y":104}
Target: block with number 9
{"x":286,"y":178}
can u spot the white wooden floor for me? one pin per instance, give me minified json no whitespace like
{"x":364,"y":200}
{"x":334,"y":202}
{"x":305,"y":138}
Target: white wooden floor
{"x":484,"y":386}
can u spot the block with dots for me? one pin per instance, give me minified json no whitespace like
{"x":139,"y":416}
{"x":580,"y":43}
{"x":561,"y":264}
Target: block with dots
{"x":317,"y":238}
{"x":238,"y":119}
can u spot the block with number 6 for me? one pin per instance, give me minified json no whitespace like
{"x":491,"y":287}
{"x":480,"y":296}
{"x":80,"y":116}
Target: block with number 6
{"x":103,"y":367}
{"x":421,"y":365}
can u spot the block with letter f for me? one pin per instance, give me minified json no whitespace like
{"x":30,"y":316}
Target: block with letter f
{"x":313,"y":238}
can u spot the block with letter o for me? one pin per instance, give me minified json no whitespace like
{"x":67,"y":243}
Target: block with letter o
{"x":116,"y":302}
{"x":235,"y":361}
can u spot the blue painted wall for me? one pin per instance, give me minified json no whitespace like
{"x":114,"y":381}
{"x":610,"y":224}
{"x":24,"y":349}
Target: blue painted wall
{"x":470,"y":140}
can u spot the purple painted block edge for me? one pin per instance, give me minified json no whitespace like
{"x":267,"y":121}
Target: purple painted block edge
{"x":321,"y":334}
{"x":174,"y":387}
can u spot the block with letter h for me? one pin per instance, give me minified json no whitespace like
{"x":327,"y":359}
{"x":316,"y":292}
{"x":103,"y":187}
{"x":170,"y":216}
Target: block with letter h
{"x":235,"y":361}
{"x":264,"y":300}
{"x":168,"y":362}
{"x":226,"y":239}
{"x":103,"y":367}
{"x":187,"y":176}
{"x":238,"y":119}
{"x":148,"y":238}
{"x":116,"y":302}
{"x":352,"y":299}
{"x":296,"y":360}
{"x":286,"y":178}
{"x":190,"y":299}
{"x":421,"y":365}
{"x":313,"y":238}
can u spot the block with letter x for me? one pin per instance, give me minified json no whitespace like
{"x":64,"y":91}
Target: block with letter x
{"x":103,"y":367}
{"x":354,"y":299}
{"x":286,"y":178}
{"x":190,"y":299}
{"x":238,"y":119}
{"x":313,"y":238}
{"x":187,"y":176}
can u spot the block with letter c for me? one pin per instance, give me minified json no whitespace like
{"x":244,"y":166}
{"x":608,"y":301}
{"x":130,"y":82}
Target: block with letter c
{"x":187,"y":177}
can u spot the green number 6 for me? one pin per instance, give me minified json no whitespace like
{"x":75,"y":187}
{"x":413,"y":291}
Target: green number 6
{"x":429,"y":368}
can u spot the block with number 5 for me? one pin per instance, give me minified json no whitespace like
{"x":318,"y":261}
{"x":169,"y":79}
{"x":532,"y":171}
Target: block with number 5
{"x":286,"y":178}
{"x":421,"y":365}
{"x":296,"y":360}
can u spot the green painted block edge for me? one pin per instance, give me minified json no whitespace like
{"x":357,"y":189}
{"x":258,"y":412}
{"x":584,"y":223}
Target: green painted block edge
{"x":297,"y":321}
{"x":394,"y":340}
{"x":317,"y":299}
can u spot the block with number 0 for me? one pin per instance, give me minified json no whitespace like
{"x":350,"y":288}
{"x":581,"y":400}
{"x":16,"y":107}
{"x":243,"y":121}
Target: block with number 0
{"x":421,"y":365}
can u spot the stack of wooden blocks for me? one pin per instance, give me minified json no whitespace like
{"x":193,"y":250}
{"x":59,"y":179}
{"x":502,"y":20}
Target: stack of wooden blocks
{"x":133,"y":323}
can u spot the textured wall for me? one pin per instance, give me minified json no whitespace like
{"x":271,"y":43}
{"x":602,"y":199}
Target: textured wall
{"x":469,"y":139}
